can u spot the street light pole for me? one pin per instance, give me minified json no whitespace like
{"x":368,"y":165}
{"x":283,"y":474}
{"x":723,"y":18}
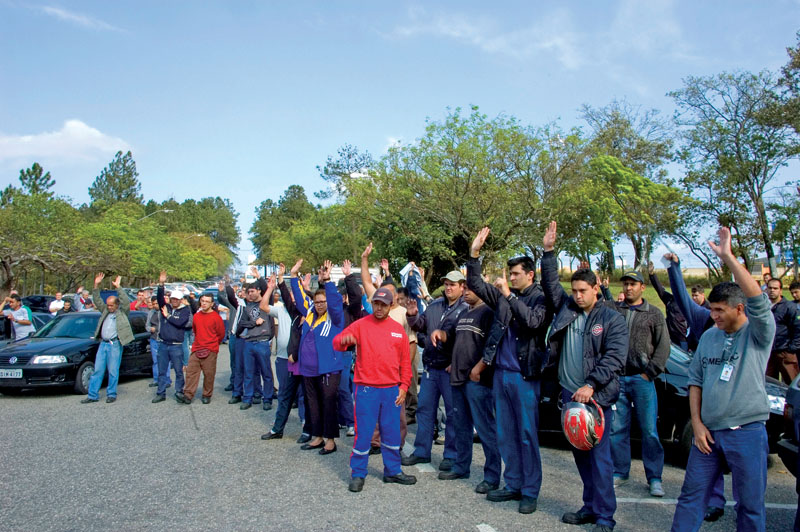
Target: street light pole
{"x":149,"y":215}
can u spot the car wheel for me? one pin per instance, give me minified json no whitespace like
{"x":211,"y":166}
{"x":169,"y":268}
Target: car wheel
{"x":82,"y":377}
{"x":11,"y":391}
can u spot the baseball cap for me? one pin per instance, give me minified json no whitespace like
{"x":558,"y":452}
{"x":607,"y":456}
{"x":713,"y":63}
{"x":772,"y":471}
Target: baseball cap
{"x":454,"y":277}
{"x":633,"y":275}
{"x":176,"y":294}
{"x":383,"y":295}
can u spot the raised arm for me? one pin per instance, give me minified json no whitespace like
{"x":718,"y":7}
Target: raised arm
{"x":663,"y":295}
{"x":335,"y":302}
{"x":122,"y":295}
{"x":98,"y":301}
{"x":162,"y":278}
{"x":366,"y":280}
{"x":554,"y":293}
{"x":488,"y":293}
{"x":266,"y":299}
{"x":353,"y":291}
{"x":696,"y":315}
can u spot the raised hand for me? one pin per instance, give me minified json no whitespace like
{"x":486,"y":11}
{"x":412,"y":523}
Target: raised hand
{"x":347,"y":267}
{"x":501,"y":283}
{"x":477,"y":244}
{"x":412,"y":309}
{"x":651,"y":268}
{"x":549,"y":240}
{"x":254,"y":272}
{"x":723,"y":249}
{"x":271,"y":283}
{"x":306,"y":282}
{"x":99,"y":279}
{"x":385,"y":265}
{"x":325,"y":271}
{"x":281,"y":270}
{"x":606,"y":281}
{"x":671,"y":257}
{"x":116,"y":282}
{"x":296,"y":267}
{"x":162,"y":277}
{"x":367,"y":251}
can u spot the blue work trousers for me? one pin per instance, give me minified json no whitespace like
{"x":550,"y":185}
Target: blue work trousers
{"x":346,"y":391}
{"x":517,"y":409}
{"x":636,"y":396}
{"x":473,"y":406}
{"x":596,"y":468}
{"x":257,"y":364}
{"x":745,"y":450}
{"x":376,"y":405}
{"x":435,"y":384}
{"x":109,"y":357}
{"x":290,"y":388}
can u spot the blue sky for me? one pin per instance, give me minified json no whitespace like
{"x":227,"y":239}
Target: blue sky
{"x":242,"y":99}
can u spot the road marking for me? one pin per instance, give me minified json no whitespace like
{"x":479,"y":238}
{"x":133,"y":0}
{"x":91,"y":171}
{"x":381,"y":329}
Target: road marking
{"x":485,"y":528}
{"x":772,"y":505}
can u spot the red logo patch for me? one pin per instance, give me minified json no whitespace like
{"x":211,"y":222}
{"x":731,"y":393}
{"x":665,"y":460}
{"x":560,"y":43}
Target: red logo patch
{"x":597,"y":330}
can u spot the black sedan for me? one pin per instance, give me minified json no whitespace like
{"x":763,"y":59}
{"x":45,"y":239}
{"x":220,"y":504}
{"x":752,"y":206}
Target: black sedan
{"x":62,"y":353}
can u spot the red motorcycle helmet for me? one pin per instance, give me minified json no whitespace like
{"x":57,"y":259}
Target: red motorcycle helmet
{"x":583,"y":424}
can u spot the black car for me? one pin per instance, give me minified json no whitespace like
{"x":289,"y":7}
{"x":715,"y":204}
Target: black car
{"x":40,"y":319}
{"x":38,"y":302}
{"x":62,"y":353}
{"x":787,"y":445}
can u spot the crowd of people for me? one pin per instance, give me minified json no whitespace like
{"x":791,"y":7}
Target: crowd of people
{"x":346,"y":356}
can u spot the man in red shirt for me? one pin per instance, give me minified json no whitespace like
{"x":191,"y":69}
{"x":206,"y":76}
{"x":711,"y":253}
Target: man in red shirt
{"x":141,"y":301}
{"x":209,"y":331}
{"x":382,"y":376}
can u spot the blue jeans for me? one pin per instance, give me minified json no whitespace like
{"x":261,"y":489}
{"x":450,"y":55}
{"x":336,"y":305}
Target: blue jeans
{"x":109,"y":356}
{"x":154,"y":352}
{"x":290,"y":388}
{"x":517,"y":408}
{"x":232,"y":353}
{"x":639,"y":395}
{"x":346,"y":391}
{"x":188,"y":338}
{"x":745,"y":450}
{"x":376,"y":405}
{"x":238,"y":368}
{"x":473,"y":405}
{"x":170,"y":354}
{"x":435,"y":384}
{"x":256,"y":363}
{"x":596,"y":469}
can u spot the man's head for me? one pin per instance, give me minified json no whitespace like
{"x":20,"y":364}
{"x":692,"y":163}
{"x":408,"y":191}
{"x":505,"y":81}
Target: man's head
{"x":633,"y":287}
{"x":206,"y":303}
{"x":584,"y":288}
{"x":112,"y":303}
{"x":176,"y":298}
{"x":59,"y":295}
{"x":320,"y":301}
{"x":382,"y":301}
{"x":794,"y":288}
{"x":471,"y":297}
{"x":252,"y":293}
{"x":140,"y":296}
{"x":402,"y":296}
{"x":698,"y":294}
{"x":727,"y":306}
{"x":276,"y":296}
{"x":521,"y":272}
{"x":154,"y":303}
{"x":88,"y":304}
{"x":392,"y":290}
{"x":85,"y":294}
{"x":15,"y":302}
{"x":774,"y":289}
{"x":67,"y":305}
{"x":767,"y":277}
{"x":453,"y":285}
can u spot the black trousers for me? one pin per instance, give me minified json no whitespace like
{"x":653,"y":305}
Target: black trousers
{"x":323,"y":404}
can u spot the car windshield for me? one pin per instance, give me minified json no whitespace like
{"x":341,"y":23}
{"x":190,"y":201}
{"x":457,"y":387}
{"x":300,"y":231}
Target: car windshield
{"x":76,"y":325}
{"x":679,"y":354}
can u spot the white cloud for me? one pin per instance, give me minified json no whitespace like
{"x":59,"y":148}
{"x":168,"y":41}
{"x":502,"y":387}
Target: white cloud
{"x":74,"y":142}
{"x":76,"y":18}
{"x":553,"y":33}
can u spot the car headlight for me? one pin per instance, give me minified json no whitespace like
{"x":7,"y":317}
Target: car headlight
{"x":776,"y":404}
{"x":49,"y":359}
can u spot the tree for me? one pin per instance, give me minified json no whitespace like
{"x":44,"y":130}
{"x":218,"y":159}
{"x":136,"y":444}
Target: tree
{"x":118,"y":182}
{"x":34,"y":182}
{"x":731,"y":148}
{"x":786,"y":212}
{"x":349,"y":164}
{"x":275,"y":218}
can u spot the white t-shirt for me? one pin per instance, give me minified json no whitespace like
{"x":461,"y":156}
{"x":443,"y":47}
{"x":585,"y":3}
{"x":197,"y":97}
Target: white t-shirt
{"x":56,"y":305}
{"x":22,"y":313}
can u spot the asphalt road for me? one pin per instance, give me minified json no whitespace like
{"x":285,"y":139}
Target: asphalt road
{"x":133,"y":465}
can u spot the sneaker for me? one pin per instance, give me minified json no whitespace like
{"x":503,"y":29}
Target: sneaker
{"x":356,"y":484}
{"x":578,"y":518}
{"x":234,"y":400}
{"x":485,"y":487}
{"x":619,"y":481}
{"x":89,"y":400}
{"x":158,"y":399}
{"x":502,"y":495}
{"x":527,"y":505}
{"x":713,"y":513}
{"x":446,"y":464}
{"x":656,"y":489}
{"x":414,"y":460}
{"x":351,"y":431}
{"x":401,"y":478}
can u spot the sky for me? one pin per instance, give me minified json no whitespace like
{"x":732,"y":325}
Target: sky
{"x":242,"y":99}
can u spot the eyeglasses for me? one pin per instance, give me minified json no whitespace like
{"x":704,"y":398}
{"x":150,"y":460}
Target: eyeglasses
{"x":320,"y":302}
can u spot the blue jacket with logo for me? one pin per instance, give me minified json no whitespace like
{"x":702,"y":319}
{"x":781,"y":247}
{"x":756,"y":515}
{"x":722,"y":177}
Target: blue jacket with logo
{"x":323,"y":327}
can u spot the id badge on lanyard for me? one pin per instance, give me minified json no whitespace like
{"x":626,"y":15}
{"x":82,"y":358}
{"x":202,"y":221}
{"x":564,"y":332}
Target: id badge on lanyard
{"x":727,"y":371}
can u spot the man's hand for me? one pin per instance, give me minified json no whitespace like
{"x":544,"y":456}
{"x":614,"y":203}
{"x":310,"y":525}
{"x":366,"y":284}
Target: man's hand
{"x":164,"y":311}
{"x":306,"y":282}
{"x":583,"y":394}
{"x":367,"y":251}
{"x":271,"y":283}
{"x":412,"y":309}
{"x":254,"y":272}
{"x":702,"y":437}
{"x":153,"y":330}
{"x":477,"y":244}
{"x":645,"y":376}
{"x":292,"y":359}
{"x":296,"y":268}
{"x":401,"y":398}
{"x":79,"y":292}
{"x":651,"y":268}
{"x":259,"y":321}
{"x":723,"y":249}
{"x":549,"y":240}
{"x":99,"y":279}
{"x":438,"y":336}
{"x":116,"y":282}
{"x":671,"y":257}
{"x":325,"y":271}
{"x":347,"y":267}
{"x":347,"y":340}
{"x":281,"y":271}
{"x":501,"y":283}
{"x":475,"y":373}
{"x":606,"y":282}
{"x":162,"y":277}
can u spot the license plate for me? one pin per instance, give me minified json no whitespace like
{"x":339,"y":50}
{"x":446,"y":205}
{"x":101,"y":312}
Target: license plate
{"x":10,"y":373}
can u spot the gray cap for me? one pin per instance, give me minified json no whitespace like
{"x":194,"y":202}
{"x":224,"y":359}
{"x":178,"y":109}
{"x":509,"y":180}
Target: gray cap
{"x":455,"y":276}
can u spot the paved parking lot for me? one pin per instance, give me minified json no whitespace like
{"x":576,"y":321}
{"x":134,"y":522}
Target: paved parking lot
{"x":133,"y":465}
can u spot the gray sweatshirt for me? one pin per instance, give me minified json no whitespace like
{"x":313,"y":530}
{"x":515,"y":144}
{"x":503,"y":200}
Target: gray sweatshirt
{"x":743,"y":398}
